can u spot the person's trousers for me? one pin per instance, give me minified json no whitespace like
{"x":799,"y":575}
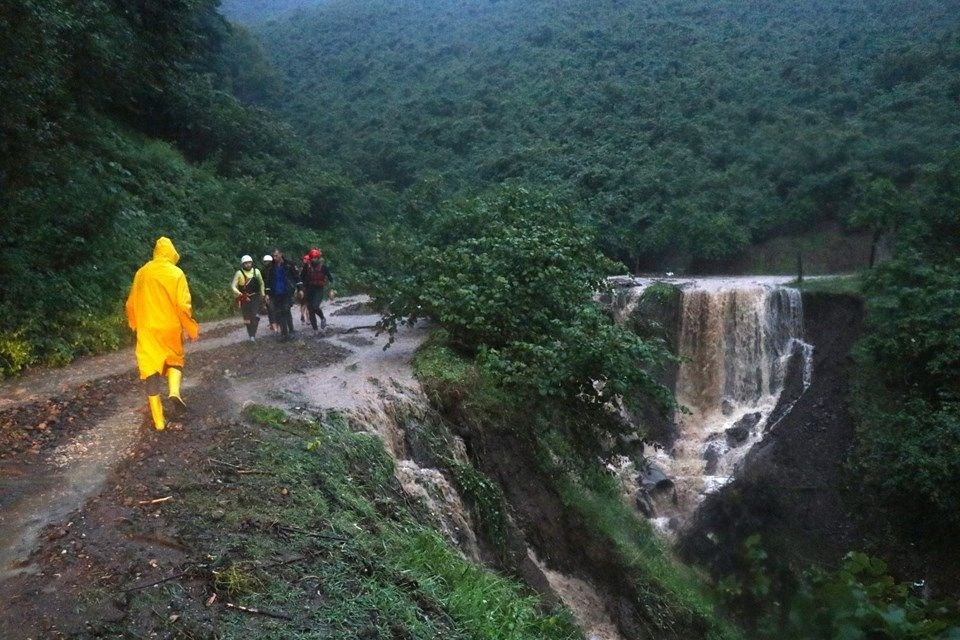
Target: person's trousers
{"x":314,"y":300}
{"x":251,"y":314}
{"x":271,"y":316}
{"x":281,"y":311}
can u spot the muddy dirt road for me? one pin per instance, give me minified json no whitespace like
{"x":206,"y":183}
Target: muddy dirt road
{"x":80,"y":468}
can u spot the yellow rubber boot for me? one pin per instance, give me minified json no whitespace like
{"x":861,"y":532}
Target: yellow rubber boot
{"x":156,"y":412}
{"x":174,"y":377}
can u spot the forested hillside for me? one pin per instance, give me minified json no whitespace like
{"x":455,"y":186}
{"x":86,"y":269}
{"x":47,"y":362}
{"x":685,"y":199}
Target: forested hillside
{"x":682,"y":129}
{"x":253,"y":11}
{"x":121,"y":122}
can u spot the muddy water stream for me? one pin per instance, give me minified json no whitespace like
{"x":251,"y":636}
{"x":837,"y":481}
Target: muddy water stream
{"x":57,"y":486}
{"x":736,"y":339}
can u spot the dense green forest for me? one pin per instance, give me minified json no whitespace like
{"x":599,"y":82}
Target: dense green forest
{"x":474,"y":155}
{"x":253,"y":11}
{"x":682,"y":130}
{"x":123,"y":121}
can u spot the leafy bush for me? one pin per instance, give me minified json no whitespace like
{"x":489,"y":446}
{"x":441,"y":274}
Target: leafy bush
{"x":858,"y":600}
{"x":861,"y":601}
{"x":908,"y":398}
{"x":511,"y":276}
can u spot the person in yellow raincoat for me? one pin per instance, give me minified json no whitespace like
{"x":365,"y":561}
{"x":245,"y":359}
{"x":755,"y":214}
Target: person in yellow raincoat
{"x":160,"y":311}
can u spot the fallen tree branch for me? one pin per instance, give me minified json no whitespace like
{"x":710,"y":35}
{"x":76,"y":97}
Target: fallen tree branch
{"x":223,"y":464}
{"x":155,"y":501}
{"x":258,"y":612}
{"x":366,"y":326}
{"x":240,"y":471}
{"x":153,"y":584}
{"x":282,"y":527}
{"x":312,"y":534}
{"x":281,"y":563}
{"x":290,"y":431}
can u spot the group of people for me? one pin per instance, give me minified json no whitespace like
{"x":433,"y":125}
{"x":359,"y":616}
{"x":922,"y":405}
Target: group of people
{"x":277,"y":286}
{"x":160,"y":310}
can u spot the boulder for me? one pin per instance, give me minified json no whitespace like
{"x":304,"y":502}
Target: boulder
{"x":712,"y":456}
{"x":645,"y":504}
{"x":654,"y":479}
{"x":740,"y":431}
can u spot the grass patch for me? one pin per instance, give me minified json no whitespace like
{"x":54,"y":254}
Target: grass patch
{"x":451,"y":380}
{"x":842,"y":285}
{"x":674,"y":600}
{"x":315,"y":529}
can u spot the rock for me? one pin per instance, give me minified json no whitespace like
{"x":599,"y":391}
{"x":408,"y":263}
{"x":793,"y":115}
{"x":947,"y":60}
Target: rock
{"x":654,"y":479}
{"x":749,"y":421}
{"x":712,"y":456}
{"x":645,"y":504}
{"x":737,"y":435}
{"x":56,"y":533}
{"x":740,"y":431}
{"x":621,"y":281}
{"x":726,"y":407}
{"x":218,"y":514}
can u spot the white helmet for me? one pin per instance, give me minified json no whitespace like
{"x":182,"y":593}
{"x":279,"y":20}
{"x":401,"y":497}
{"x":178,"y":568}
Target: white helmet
{"x":246,"y":259}
{"x":268,"y":258}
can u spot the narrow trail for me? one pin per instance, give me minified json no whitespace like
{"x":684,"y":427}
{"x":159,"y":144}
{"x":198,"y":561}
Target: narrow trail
{"x":342,"y":367}
{"x":47,"y":382}
{"x":46,"y":493}
{"x":76,"y":514}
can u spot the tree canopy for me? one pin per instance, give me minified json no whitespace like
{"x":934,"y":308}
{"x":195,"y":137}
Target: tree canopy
{"x":685,"y":131}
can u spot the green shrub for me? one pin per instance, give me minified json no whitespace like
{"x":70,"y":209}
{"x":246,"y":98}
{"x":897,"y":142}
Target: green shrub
{"x":861,"y":601}
{"x":907,"y":398}
{"x":511,"y":277}
{"x":858,"y":600}
{"x":16,"y":352}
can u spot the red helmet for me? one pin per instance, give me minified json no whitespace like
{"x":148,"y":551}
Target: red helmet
{"x":314,"y":253}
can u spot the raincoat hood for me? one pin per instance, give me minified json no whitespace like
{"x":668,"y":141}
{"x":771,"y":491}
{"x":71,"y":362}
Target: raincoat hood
{"x":164,"y":250}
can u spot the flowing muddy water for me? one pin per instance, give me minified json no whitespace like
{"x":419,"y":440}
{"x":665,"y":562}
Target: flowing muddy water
{"x":737,"y":338}
{"x":344,"y":369}
{"x":72,"y":472}
{"x":38,"y":492}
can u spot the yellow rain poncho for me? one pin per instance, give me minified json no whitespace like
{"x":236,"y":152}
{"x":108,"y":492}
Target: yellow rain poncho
{"x":159,"y":310}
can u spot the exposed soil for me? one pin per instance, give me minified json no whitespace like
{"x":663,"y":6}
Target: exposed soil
{"x":80,"y":465}
{"x":39,"y":425}
{"x":562,"y":541}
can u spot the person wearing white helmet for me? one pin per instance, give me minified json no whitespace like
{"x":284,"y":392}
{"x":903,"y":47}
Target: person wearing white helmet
{"x":248,"y":287}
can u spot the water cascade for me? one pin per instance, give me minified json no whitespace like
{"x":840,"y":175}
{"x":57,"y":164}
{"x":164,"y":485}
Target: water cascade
{"x":740,"y":343}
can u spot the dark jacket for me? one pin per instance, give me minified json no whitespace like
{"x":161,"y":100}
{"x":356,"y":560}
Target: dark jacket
{"x":270,"y":277}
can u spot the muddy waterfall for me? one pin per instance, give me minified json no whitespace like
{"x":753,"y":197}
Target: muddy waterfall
{"x":740,"y":343}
